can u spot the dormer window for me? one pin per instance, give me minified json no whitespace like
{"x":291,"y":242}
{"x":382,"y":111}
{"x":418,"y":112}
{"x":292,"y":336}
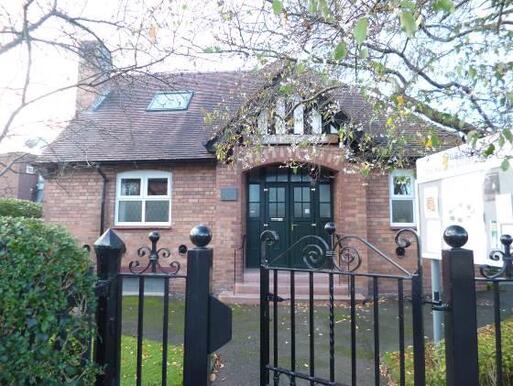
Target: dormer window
{"x":291,"y":117}
{"x":170,"y":101}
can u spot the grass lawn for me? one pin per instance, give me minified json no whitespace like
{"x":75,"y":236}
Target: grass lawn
{"x":152,"y":362}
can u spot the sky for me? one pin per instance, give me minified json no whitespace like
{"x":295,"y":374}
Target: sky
{"x":54,"y":68}
{"x":180,"y":24}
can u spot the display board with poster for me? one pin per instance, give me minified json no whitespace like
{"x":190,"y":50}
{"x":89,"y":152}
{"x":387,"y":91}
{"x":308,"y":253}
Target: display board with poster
{"x":457,"y":188}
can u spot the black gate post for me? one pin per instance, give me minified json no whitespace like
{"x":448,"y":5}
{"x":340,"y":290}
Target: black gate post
{"x":196,"y":352}
{"x":264,"y":325}
{"x":267,"y":239}
{"x":109,"y":249}
{"x":419,"y":365}
{"x":460,"y":317}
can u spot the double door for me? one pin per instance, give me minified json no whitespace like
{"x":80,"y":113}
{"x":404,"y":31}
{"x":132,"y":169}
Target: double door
{"x":293,"y":210}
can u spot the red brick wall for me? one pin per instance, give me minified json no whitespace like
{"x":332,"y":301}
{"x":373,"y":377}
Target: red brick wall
{"x":15,"y":182}
{"x":360,"y":208}
{"x":382,"y":235}
{"x":229,"y":227}
{"x":8,"y":184}
{"x":74,"y":200}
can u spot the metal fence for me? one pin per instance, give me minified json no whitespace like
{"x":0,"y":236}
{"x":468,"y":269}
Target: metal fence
{"x":207,"y":321}
{"x":207,"y":324}
{"x":335,"y":261}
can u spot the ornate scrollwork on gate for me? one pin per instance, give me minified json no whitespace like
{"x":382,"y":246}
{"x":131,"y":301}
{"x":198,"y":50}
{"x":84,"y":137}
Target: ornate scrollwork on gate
{"x":403,"y":240}
{"x":314,"y":250}
{"x":492,"y":272}
{"x":339,"y":254}
{"x":316,"y":254}
{"x":154,"y":255}
{"x":349,"y":259}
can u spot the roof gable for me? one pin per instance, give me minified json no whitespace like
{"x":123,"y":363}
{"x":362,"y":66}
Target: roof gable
{"x":122,"y":128}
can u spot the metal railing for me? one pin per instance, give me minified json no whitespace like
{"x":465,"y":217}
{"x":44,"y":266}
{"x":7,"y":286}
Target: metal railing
{"x":330,"y":260}
{"x":203,"y":312}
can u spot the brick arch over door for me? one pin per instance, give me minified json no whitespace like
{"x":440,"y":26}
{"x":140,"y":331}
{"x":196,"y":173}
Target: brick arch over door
{"x":330,"y":157}
{"x":349,"y":202}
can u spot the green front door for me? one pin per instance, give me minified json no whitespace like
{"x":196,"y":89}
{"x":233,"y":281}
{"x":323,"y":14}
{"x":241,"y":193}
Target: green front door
{"x":290,"y":204}
{"x":276,"y":218}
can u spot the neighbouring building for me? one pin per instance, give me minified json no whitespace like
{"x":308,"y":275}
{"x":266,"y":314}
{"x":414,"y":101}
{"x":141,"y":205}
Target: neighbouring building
{"x":18,"y":178}
{"x":139,"y":156}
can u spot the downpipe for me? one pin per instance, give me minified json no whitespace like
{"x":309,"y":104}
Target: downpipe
{"x":103,"y":194}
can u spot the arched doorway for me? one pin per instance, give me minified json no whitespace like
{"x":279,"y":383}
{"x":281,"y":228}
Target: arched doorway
{"x":289,"y":201}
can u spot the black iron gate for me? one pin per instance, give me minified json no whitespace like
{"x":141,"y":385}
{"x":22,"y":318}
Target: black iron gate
{"x":207,"y":324}
{"x":338,"y":261}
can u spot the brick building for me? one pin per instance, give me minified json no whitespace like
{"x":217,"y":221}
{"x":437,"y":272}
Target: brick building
{"x":18,"y":178}
{"x":138,"y":157}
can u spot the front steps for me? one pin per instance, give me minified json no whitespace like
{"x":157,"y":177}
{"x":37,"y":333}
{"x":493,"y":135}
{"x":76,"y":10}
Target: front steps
{"x":248,"y":291}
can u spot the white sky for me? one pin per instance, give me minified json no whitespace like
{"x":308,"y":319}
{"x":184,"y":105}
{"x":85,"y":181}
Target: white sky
{"x":53,"y":69}
{"x":182,"y":20}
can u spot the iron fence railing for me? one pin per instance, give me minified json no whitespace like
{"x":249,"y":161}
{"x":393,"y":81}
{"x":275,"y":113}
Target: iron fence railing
{"x":331,"y":260}
{"x":207,"y":322}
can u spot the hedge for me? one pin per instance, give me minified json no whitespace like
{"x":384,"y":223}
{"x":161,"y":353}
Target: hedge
{"x":435,"y":359}
{"x":47,"y":306}
{"x":12,"y":207}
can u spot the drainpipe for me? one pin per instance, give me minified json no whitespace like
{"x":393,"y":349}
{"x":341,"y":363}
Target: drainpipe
{"x":104,"y":191}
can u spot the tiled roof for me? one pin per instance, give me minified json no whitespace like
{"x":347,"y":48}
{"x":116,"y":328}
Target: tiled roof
{"x":412,"y":127}
{"x":121,"y":128}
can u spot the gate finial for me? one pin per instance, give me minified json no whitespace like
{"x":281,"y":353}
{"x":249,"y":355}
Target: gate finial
{"x":456,"y":236}
{"x":200,"y":235}
{"x":330,"y":228}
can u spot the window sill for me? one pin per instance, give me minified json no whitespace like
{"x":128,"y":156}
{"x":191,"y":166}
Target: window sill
{"x":397,"y":227}
{"x":141,"y":227}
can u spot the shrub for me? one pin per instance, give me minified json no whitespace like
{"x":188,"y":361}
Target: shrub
{"x":12,"y":207}
{"x":435,"y":359}
{"x":46,"y":306}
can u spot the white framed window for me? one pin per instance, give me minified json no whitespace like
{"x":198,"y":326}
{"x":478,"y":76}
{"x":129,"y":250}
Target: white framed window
{"x":402,"y":198}
{"x":29,"y":169}
{"x":143,"y":198}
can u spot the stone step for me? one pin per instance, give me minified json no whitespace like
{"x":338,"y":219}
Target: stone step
{"x":284,"y":289}
{"x":299,"y":278}
{"x":234,"y":298}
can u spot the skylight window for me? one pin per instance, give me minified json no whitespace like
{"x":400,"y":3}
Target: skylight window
{"x":99,"y":100}
{"x":170,"y":101}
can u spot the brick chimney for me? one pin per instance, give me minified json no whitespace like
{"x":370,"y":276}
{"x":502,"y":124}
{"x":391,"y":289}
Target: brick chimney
{"x":94,"y":66}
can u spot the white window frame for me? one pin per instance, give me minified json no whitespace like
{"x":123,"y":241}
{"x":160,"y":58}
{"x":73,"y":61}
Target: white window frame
{"x":411,"y":197}
{"x":151,"y":106}
{"x":143,"y":175}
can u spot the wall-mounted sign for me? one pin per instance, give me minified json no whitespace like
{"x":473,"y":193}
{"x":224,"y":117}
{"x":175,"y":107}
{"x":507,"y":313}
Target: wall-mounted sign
{"x":229,"y":194}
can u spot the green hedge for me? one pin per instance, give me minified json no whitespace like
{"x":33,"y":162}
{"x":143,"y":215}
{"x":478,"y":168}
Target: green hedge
{"x":46,"y":306}
{"x":12,"y":207}
{"x":435,"y":359}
